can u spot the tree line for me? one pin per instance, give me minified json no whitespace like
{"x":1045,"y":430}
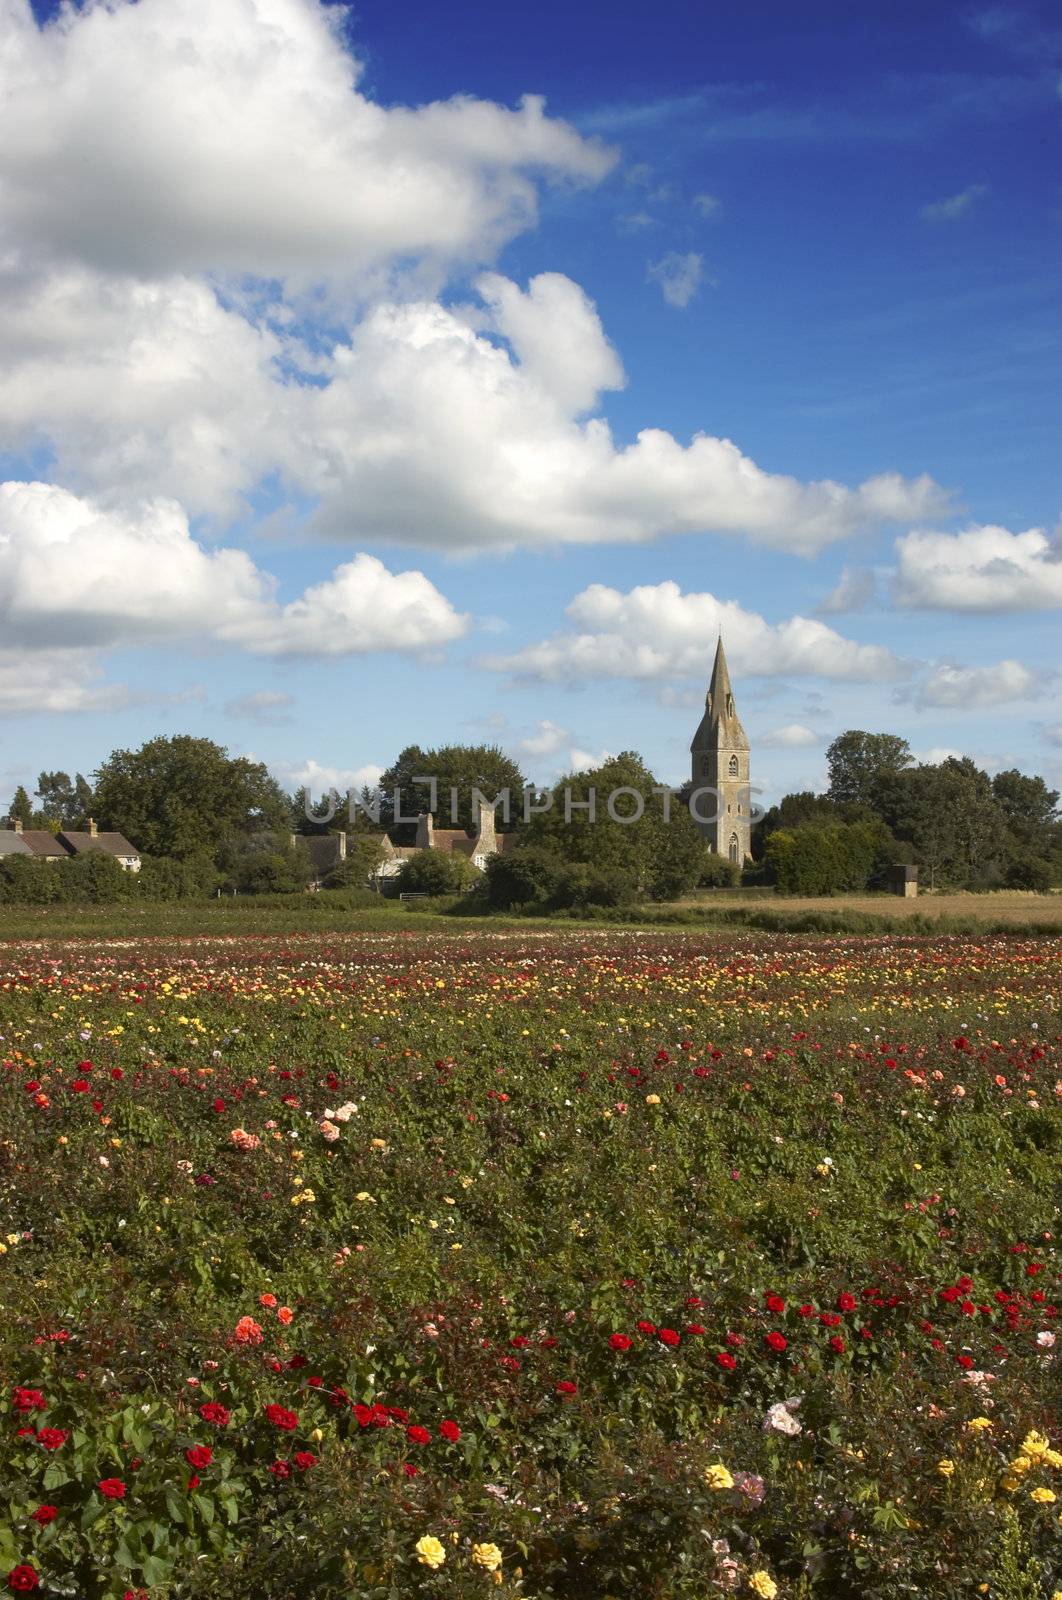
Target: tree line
{"x":205,"y":821}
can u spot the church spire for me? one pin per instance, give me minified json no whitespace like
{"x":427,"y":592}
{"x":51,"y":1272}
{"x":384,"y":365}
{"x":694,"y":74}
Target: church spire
{"x":720,"y":727}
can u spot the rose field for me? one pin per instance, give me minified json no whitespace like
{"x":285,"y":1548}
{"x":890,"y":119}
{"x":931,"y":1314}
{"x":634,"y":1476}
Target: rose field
{"x":563,"y":1265}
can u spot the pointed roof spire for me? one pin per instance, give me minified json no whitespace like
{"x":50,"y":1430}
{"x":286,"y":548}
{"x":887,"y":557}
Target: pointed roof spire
{"x":720,"y":726}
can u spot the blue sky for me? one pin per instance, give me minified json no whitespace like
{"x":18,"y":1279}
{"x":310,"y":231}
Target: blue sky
{"x":830,"y":238}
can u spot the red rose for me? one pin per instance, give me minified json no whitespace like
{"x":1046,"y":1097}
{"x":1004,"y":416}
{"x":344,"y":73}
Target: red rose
{"x":51,"y":1438}
{"x":450,"y":1430}
{"x":620,"y":1341}
{"x":775,"y":1303}
{"x":725,"y":1360}
{"x":777,"y":1341}
{"x":846,"y":1302}
{"x":193,"y":1482}
{"x":418,"y":1435}
{"x":216,"y":1413}
{"x":280,"y":1469}
{"x":805,"y":1311}
{"x":409,"y":1469}
{"x":647,"y":1327}
{"x":219,"y":1105}
{"x":565,"y":1387}
{"x":22,"y":1578}
{"x":694,"y":1327}
{"x":304,"y":1460}
{"x":28,"y":1400}
{"x":281,"y":1417}
{"x":112,"y":1488}
{"x":45,"y":1514}
{"x":668,"y":1336}
{"x":363,"y":1415}
{"x":200,"y":1455}
{"x":837,"y":1345}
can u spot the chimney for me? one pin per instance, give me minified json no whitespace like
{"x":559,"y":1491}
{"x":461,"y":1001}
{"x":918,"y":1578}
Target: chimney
{"x":425,"y":831}
{"x":93,"y":830}
{"x":486,"y":839}
{"x":342,"y":846}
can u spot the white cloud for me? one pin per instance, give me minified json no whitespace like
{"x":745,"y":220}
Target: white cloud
{"x":854,"y":589}
{"x":975,"y":688}
{"x":431,"y":434}
{"x":556,"y":335}
{"x":679,"y":277}
{"x":955,"y":206}
{"x":140,"y":388}
{"x":321,"y":780}
{"x":229,"y":135}
{"x":419,"y":430}
{"x":55,"y":681}
{"x":656,"y":632}
{"x":709,"y":205}
{"x":1053,"y":734}
{"x":793,"y":736}
{"x":547,"y":739}
{"x":982,"y":569}
{"x":74,"y":575}
{"x":586,"y":760}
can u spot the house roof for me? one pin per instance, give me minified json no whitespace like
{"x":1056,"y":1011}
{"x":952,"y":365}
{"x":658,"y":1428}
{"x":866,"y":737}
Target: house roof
{"x":43,"y":843}
{"x":13,"y":844}
{"x":110,"y":844}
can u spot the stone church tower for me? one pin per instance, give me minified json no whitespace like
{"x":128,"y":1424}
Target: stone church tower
{"x":720,"y":752}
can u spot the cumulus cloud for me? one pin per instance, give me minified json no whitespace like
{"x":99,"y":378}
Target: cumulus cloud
{"x":657,"y":631}
{"x":231,"y":135}
{"x":955,"y":688}
{"x":431,"y":433}
{"x":708,"y":205}
{"x":793,"y":736}
{"x":955,"y":205}
{"x":854,"y":589}
{"x":678,"y":275}
{"x":322,"y":779}
{"x":35,"y":682}
{"x":459,"y":428}
{"x":982,"y":569}
{"x":74,"y":575}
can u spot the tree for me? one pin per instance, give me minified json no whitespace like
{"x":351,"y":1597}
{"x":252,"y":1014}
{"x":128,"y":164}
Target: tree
{"x":652,"y":855}
{"x":183,"y":796}
{"x":21,"y":808}
{"x":436,"y":872}
{"x":460,"y":767}
{"x":949,"y":815}
{"x":527,"y":876}
{"x":63,"y":804}
{"x":365,"y":854}
{"x":793,"y":811}
{"x":858,"y":762}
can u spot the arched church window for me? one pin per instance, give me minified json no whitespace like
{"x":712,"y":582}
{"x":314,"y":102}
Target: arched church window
{"x":734,"y":847}
{"x":733,"y":766}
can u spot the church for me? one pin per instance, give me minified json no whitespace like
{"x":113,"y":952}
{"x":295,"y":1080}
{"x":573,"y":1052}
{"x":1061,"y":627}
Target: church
{"x":720,"y":762}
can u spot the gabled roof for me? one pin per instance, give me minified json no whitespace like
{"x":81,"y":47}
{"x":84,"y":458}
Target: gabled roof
{"x":43,"y":843}
{"x":109,"y":844}
{"x":13,"y":844}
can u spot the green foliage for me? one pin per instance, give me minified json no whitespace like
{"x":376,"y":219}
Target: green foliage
{"x":166,"y":879}
{"x":618,"y":860}
{"x":182,"y":796}
{"x":859,"y":762}
{"x":460,"y":767}
{"x":529,"y":876}
{"x":718,"y":873}
{"x":436,"y":872}
{"x":264,"y":863}
{"x":838,"y":859}
{"x":21,"y":808}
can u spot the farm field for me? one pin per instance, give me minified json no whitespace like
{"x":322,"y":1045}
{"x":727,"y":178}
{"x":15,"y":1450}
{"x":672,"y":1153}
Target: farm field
{"x":541,"y":1263}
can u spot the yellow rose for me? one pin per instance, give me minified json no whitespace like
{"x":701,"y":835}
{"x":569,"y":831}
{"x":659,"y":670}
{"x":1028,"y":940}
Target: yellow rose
{"x":430,"y":1552}
{"x":487,"y":1556}
{"x":978,"y":1425}
{"x":1034,"y":1444}
{"x":652,"y":1099}
{"x":1043,"y":1497}
{"x":1051,"y":1458}
{"x":718,"y":1477}
{"x":763,"y":1584}
{"x":945,"y":1467}
{"x":1021,"y":1464}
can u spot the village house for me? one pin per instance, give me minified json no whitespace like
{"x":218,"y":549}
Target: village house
{"x":45,"y":846}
